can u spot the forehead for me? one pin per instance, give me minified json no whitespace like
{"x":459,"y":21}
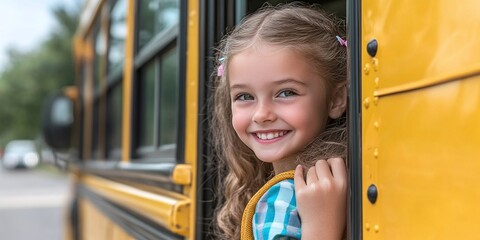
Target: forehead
{"x":264,"y":49}
{"x":269,"y":62}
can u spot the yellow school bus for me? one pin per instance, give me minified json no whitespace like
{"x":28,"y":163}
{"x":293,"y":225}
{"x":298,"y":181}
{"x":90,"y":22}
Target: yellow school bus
{"x":132,"y":131}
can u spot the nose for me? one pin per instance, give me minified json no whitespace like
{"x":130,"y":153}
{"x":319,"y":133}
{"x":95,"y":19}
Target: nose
{"x":264,"y":112}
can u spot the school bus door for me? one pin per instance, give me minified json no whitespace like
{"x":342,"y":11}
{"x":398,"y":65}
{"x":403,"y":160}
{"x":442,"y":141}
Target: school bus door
{"x":417,"y":68}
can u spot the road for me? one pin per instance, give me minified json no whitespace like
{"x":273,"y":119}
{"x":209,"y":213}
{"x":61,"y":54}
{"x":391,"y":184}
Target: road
{"x":32,"y":204}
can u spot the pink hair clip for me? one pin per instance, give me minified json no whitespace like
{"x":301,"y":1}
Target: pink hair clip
{"x":341,"y":41}
{"x":221,"y":68}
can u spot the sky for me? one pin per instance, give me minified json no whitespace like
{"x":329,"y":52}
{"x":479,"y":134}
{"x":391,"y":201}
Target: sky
{"x":25,"y":23}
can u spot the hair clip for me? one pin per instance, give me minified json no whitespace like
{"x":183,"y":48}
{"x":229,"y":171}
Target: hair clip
{"x":341,"y":41}
{"x":221,"y":69}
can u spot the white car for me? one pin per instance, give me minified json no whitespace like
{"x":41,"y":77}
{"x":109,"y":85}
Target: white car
{"x":20,"y":154}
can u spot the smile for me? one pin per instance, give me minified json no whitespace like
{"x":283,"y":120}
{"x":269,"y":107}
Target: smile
{"x":270,"y":135}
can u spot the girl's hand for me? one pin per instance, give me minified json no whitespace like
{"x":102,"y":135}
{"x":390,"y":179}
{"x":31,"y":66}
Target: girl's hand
{"x":321,"y":199}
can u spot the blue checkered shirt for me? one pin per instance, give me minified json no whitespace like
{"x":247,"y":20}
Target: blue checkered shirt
{"x":276,"y":215}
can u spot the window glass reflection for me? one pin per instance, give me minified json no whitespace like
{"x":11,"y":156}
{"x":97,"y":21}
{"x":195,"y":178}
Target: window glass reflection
{"x":169,"y":97}
{"x":156,"y":16}
{"x":118,"y":33}
{"x":147,"y":105}
{"x":114,"y":119}
{"x":99,"y":71}
{"x":100,"y":54}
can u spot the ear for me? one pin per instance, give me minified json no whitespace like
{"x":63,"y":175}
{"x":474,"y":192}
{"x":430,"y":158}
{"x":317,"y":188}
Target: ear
{"x":338,"y":101}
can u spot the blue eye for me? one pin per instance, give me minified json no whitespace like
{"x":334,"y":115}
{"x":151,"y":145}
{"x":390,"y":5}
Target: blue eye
{"x":244,"y":97}
{"x":286,"y":93}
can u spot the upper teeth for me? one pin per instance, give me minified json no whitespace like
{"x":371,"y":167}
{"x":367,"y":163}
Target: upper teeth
{"x":271,"y":135}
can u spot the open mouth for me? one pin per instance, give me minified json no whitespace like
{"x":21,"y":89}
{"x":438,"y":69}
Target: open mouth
{"x":270,"y":135}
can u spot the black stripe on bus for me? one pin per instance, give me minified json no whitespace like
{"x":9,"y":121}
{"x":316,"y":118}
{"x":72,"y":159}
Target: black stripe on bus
{"x":216,"y":17}
{"x":354,"y":120}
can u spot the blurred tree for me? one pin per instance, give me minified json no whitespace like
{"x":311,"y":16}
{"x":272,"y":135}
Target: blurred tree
{"x":31,"y":76}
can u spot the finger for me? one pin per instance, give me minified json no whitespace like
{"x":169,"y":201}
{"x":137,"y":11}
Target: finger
{"x":323,"y":169}
{"x":311,"y":175}
{"x":338,"y":167}
{"x":298,"y":179}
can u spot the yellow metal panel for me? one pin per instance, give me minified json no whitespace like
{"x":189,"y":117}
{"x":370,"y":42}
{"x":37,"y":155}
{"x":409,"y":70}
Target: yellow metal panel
{"x":169,"y":209}
{"x":432,"y":36}
{"x":96,"y":226}
{"x":119,"y":234}
{"x":182,"y":174}
{"x":420,"y":113}
{"x":93,"y":224}
{"x":191,"y":137}
{"x":427,"y":165}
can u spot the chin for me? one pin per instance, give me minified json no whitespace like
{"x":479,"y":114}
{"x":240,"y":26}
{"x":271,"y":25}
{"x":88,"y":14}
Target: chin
{"x":268,"y":158}
{"x":276,"y":158}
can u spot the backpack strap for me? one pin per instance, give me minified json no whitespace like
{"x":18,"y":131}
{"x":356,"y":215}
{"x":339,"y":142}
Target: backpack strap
{"x":246,"y":230}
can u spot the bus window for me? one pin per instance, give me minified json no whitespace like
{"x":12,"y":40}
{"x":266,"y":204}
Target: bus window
{"x":100,"y":50}
{"x":116,"y":54}
{"x":147,"y":105}
{"x":158,"y":106}
{"x":117,"y":35}
{"x":169,"y":98}
{"x":114,"y":122}
{"x":156,"y":16}
{"x":157,"y":81}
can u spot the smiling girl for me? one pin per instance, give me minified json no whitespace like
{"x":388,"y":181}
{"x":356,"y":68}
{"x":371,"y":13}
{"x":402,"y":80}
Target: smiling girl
{"x":279,"y":101}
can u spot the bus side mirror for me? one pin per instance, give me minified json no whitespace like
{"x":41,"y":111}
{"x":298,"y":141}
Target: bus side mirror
{"x":58,"y":121}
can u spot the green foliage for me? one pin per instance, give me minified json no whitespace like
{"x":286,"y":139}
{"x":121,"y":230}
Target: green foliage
{"x":30,"y":77}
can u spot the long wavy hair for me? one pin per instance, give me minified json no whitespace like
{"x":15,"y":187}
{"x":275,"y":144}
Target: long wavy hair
{"x":307,"y":30}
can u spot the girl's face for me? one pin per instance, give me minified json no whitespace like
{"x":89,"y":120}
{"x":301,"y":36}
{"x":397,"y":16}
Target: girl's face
{"x":279,"y":103}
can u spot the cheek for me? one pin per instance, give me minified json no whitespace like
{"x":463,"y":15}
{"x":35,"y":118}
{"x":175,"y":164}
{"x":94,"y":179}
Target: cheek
{"x":310,"y":118}
{"x":306,"y":122}
{"x":239,"y":121}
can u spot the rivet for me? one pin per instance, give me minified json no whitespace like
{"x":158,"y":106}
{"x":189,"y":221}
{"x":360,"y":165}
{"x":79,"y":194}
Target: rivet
{"x":377,"y":81}
{"x":375,"y":152}
{"x":375,"y":100}
{"x":375,"y":64}
{"x":376,"y":124}
{"x":367,"y":226}
{"x":366,"y":102}
{"x":372,"y":47}
{"x":366,"y":69}
{"x":372,"y":193}
{"x":376,"y":228}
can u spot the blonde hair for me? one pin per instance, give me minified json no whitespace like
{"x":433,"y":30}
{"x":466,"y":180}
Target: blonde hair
{"x":307,"y":30}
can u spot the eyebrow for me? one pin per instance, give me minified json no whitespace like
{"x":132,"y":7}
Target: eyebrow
{"x":290,"y":80}
{"x":279,"y":82}
{"x":238,"y":86}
